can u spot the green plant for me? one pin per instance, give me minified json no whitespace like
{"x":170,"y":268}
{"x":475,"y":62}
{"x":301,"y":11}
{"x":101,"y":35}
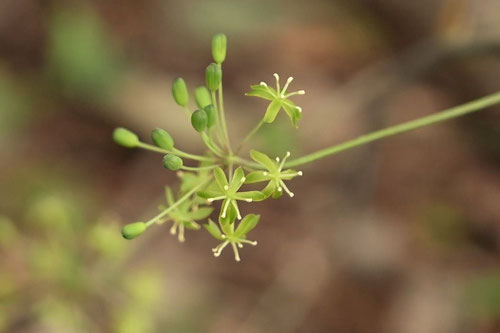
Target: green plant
{"x":219,"y":174}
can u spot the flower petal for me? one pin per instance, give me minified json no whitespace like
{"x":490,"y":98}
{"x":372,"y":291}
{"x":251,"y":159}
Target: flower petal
{"x":264,"y":160}
{"x":264,"y":92}
{"x":254,"y":195}
{"x":292,"y":111}
{"x":201,"y":213}
{"x":220,"y":177}
{"x":213,"y":229}
{"x":272,"y":111}
{"x":256,"y":177}
{"x":248,"y":223}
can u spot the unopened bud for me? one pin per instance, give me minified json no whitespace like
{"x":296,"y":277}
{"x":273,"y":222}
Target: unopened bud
{"x":162,"y":139}
{"x":132,"y":230}
{"x":172,"y":162}
{"x":202,"y":97}
{"x":213,"y":76}
{"x":211,"y":115}
{"x":125,"y":138}
{"x":179,"y":91}
{"x":219,"y":47}
{"x":199,"y":120}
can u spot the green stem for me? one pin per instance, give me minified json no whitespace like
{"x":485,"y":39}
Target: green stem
{"x":220,"y":132}
{"x":208,"y":167}
{"x":223,"y":117}
{"x":175,"y":152}
{"x":211,"y":145}
{"x":252,"y":132}
{"x":177,"y":203}
{"x":447,"y":114}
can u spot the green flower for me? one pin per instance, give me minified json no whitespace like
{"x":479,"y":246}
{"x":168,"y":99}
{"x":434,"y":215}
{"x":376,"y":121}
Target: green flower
{"x":231,"y":236}
{"x":279,"y":99}
{"x":275,"y":174}
{"x":184,"y":215}
{"x":221,"y":189}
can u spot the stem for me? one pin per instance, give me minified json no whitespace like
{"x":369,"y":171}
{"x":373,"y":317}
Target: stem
{"x":447,"y":114}
{"x":175,"y":152}
{"x":223,"y":117}
{"x":177,"y":203}
{"x":252,"y":132}
{"x":208,"y":167}
{"x":220,"y":131}
{"x":211,"y":145}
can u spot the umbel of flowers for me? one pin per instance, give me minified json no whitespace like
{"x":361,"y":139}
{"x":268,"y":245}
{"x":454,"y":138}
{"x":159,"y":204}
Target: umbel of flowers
{"x":217,"y":178}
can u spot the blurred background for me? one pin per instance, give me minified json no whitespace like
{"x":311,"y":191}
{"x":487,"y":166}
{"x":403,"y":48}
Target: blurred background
{"x":402,"y":235}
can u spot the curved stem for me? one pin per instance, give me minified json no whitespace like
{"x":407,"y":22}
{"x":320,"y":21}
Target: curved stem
{"x":447,"y":114}
{"x":223,"y":117}
{"x":208,"y":167}
{"x":252,"y":132}
{"x":178,"y":202}
{"x":211,"y":145}
{"x":175,"y":152}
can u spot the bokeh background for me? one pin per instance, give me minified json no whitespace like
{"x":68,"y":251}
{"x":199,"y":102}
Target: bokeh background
{"x":402,"y":235}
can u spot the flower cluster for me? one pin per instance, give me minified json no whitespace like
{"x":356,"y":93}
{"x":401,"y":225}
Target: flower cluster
{"x":218,"y":175}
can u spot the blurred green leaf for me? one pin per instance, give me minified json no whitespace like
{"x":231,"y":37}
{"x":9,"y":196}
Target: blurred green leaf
{"x":482,"y":296}
{"x":81,"y":54}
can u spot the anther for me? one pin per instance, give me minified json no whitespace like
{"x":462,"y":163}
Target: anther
{"x":263,"y":84}
{"x":288,"y":154}
{"x":226,"y":187}
{"x":299,"y":109}
{"x":300,"y":173}
{"x":279,"y":189}
{"x":243,"y":179}
{"x":265,"y":173}
{"x":301,"y":92}
{"x":249,"y":200}
{"x":277,"y":159}
{"x":290,"y":79}
{"x":276,"y":76}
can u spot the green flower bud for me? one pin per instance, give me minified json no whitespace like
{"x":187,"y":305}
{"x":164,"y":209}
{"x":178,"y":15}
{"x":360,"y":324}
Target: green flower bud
{"x":202,"y":97}
{"x":213,"y":76}
{"x":172,"y":162}
{"x":125,"y":138}
{"x":180,"y":92}
{"x":162,"y":139}
{"x":211,"y":115}
{"x":219,"y":46}
{"x":132,"y":230}
{"x":199,"y":120}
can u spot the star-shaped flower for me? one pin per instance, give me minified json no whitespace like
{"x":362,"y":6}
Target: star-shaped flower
{"x":221,"y":189}
{"x":184,"y":215}
{"x":274,"y":174}
{"x":231,"y":236}
{"x":279,"y":99}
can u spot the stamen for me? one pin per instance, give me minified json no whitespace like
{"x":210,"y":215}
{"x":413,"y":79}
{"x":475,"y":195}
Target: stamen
{"x":263,"y":84}
{"x":236,"y":253}
{"x":181,"y":233}
{"x":223,"y":236}
{"x":286,"y":189}
{"x":240,"y":245}
{"x":253,"y":243}
{"x":277,"y":77}
{"x":216,"y":198}
{"x":277,"y":159}
{"x":265,"y":173}
{"x":235,"y":205}
{"x":283,"y":161}
{"x":290,"y":79}
{"x":299,"y":109}
{"x":280,"y":189}
{"x":173,"y":229}
{"x":249,"y":200}
{"x":224,"y":209}
{"x":301,"y":92}
{"x":226,"y":187}
{"x":300,"y":173}
{"x":220,"y":248}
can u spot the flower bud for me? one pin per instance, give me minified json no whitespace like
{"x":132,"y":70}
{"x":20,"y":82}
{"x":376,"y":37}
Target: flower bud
{"x":162,"y":139}
{"x":202,"y":97}
{"x":172,"y":162}
{"x":219,"y":46}
{"x":179,"y":91}
{"x":211,"y":115}
{"x":125,"y":138}
{"x":213,"y":76}
{"x":199,"y":120}
{"x":132,"y":230}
